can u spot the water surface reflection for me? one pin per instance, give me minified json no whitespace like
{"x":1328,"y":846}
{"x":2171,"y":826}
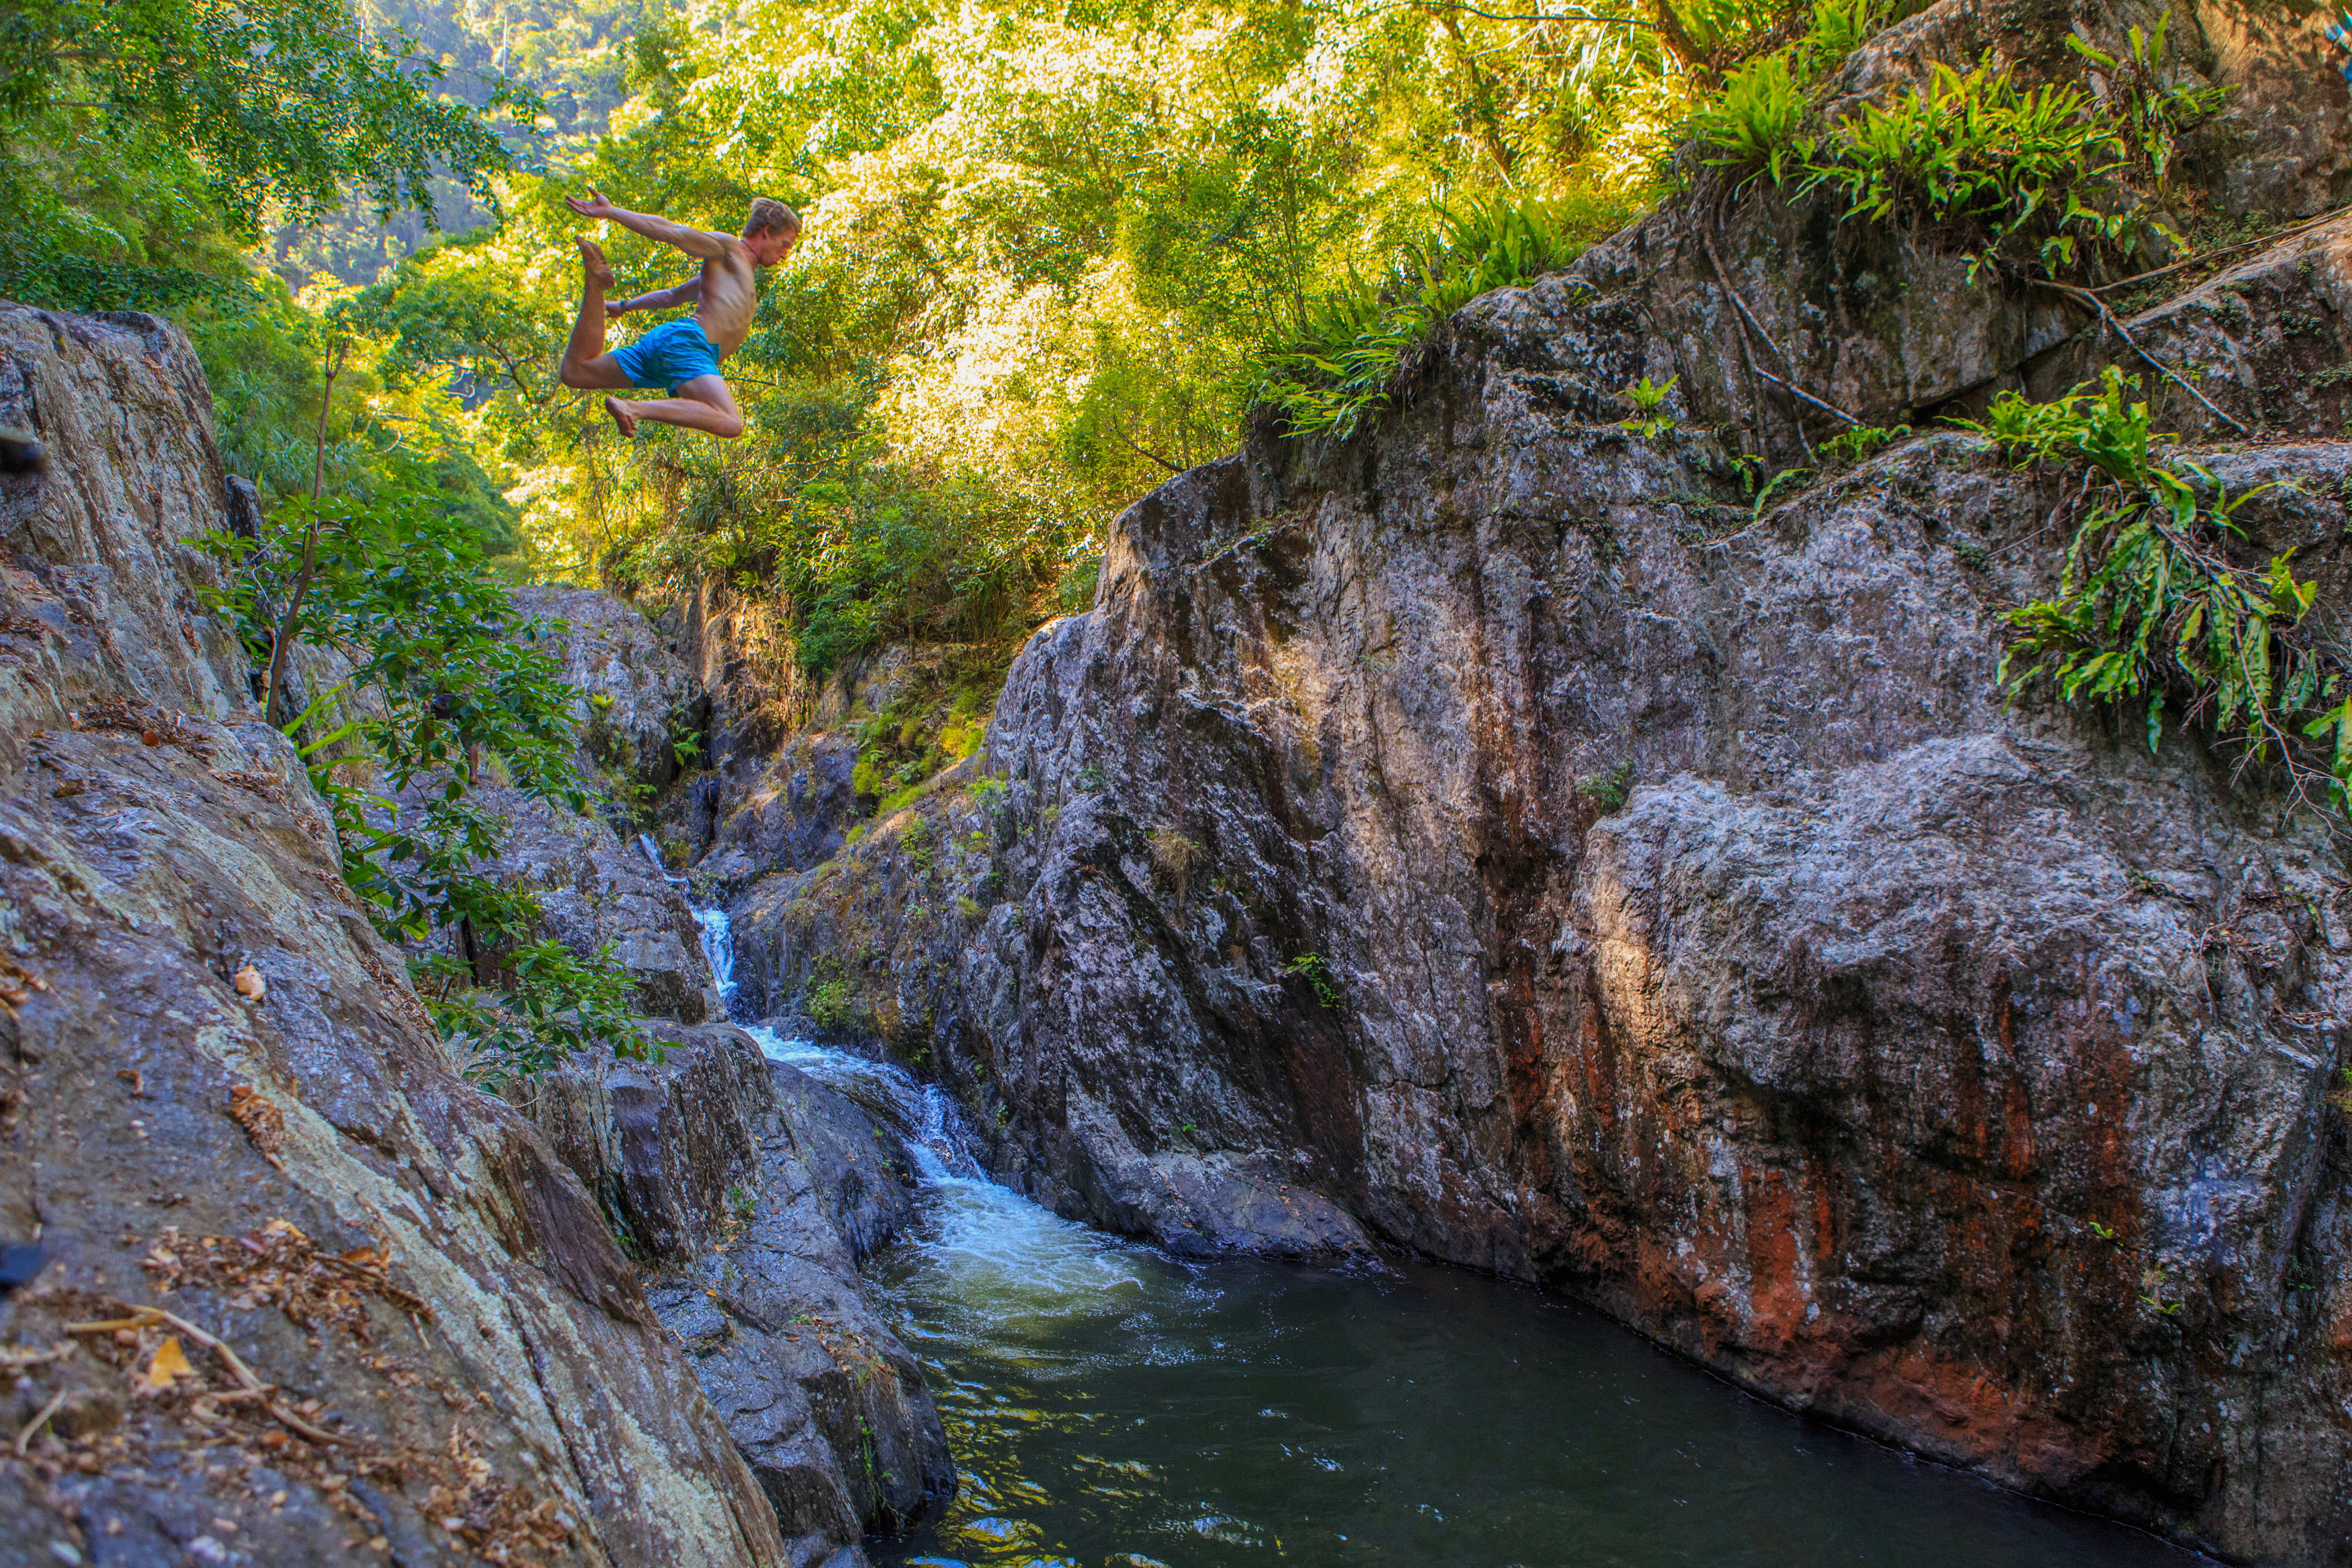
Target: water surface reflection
{"x":1109,"y":1405}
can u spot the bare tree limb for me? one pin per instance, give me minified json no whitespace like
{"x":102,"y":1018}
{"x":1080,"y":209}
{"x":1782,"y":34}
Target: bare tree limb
{"x":331,"y":367}
{"x":2107,"y":317}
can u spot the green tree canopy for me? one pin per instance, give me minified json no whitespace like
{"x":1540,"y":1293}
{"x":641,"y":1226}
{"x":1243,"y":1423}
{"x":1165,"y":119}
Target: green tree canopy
{"x":141,"y":141}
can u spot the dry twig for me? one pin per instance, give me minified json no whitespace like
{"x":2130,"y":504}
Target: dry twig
{"x":253,"y":1387}
{"x":24,"y":1437}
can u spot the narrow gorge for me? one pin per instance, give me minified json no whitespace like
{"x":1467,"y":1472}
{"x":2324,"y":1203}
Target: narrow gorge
{"x":1493,"y":929}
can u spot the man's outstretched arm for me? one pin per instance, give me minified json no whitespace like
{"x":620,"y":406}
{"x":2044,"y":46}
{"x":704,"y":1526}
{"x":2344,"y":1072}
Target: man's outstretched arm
{"x":695,"y":242}
{"x":685,"y":293}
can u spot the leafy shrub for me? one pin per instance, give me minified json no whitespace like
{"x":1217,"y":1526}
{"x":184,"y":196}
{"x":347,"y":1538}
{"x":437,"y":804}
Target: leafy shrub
{"x":1649,"y":400}
{"x":1862,"y":442}
{"x":1350,"y":347}
{"x":1974,"y":151}
{"x":1753,"y":123}
{"x":1970,"y":147}
{"x":396,"y":587}
{"x":1311,"y":967}
{"x":1722,"y":32}
{"x":1839,"y":27}
{"x":557,"y":1004}
{"x":834,"y":1005}
{"x":2155,"y":112}
{"x":1608,"y":791}
{"x":2150,"y":602}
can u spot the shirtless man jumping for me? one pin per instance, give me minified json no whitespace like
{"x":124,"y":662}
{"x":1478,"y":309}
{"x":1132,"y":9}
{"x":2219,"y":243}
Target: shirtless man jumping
{"x":679,"y":357}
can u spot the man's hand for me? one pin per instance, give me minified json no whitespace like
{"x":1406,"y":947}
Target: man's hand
{"x":594,"y":206}
{"x":618,"y":307}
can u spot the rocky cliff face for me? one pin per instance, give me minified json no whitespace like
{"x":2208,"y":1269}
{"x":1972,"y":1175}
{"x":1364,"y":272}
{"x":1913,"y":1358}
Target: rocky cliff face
{"x":748,"y":1193}
{"x":442,"y":1290}
{"x":461,"y":1358}
{"x":1493,"y":838}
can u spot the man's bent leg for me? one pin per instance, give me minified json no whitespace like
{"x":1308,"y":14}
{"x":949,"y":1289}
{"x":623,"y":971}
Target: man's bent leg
{"x":704,"y":404}
{"x":587,"y":344}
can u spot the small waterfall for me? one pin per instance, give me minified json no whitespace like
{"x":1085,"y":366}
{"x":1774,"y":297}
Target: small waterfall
{"x":653,"y":853}
{"x":718,"y":947}
{"x":925,"y":1118}
{"x":922,"y":1114}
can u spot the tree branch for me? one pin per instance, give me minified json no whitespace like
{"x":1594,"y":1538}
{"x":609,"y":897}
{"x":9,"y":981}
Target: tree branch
{"x":330,"y":366}
{"x":2083,"y":296}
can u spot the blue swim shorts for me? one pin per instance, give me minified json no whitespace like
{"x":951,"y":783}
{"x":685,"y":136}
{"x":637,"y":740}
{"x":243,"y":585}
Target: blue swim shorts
{"x":672,"y":353}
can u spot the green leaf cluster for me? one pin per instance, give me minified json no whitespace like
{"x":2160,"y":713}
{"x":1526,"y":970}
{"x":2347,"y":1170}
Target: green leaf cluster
{"x":556,"y":1004}
{"x":1052,"y":257}
{"x":447,"y":687}
{"x":2065,"y":174}
{"x":1649,"y":400}
{"x":141,"y":141}
{"x":1310,"y":967}
{"x":1353,"y":344}
{"x":2151,"y":606}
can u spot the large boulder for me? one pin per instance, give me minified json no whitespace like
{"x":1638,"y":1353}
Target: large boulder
{"x":751,"y":1194}
{"x":1502,"y":834}
{"x":642,"y":712}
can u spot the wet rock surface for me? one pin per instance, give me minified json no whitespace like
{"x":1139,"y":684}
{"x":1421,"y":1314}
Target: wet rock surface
{"x":829,"y":1407}
{"x":751,"y":1194}
{"x":643,"y":713}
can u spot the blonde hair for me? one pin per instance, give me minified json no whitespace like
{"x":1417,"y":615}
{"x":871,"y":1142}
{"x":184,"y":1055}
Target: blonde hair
{"x":769,"y":215}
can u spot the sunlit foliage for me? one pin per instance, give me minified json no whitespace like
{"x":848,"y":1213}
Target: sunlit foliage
{"x":1053,"y":253}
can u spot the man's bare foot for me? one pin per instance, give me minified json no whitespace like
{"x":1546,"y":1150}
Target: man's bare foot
{"x":592,"y":262}
{"x":620,"y":416}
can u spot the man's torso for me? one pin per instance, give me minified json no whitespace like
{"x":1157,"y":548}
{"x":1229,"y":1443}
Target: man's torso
{"x":730,"y":296}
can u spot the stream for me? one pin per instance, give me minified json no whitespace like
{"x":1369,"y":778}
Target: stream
{"x":1110,"y":1406}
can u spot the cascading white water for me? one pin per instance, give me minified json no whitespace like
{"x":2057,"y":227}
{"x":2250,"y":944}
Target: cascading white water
{"x":718,"y":947}
{"x":921,"y":1113}
{"x":653,"y":853}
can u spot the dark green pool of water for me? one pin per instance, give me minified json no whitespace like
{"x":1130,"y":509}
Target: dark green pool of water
{"x":1111,"y":1406}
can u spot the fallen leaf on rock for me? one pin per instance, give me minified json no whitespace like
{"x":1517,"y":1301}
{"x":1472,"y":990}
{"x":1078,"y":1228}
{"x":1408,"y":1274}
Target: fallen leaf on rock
{"x":263,"y":1123}
{"x":18,"y":982}
{"x":134,"y":1078}
{"x":280,"y":1265}
{"x":169,"y":1364}
{"x":251,"y":985}
{"x":268,"y":785}
{"x":154,"y":726}
{"x":69,"y":789}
